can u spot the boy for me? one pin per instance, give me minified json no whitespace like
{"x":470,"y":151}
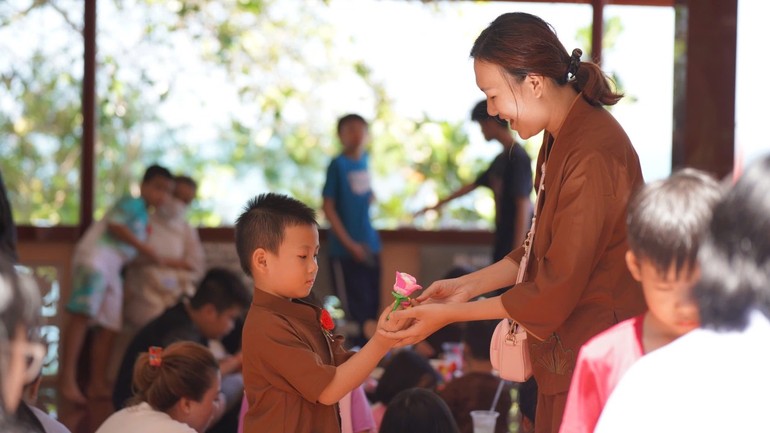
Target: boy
{"x":294,"y":370}
{"x":97,"y":291}
{"x":354,"y":245}
{"x":509,"y":177}
{"x":666,"y":220}
{"x":220,"y":299}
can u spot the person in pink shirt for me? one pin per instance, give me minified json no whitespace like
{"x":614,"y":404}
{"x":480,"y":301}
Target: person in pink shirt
{"x":666,"y":220}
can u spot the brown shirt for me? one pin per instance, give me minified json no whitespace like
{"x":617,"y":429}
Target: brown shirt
{"x":288,"y":360}
{"x":578,"y":283}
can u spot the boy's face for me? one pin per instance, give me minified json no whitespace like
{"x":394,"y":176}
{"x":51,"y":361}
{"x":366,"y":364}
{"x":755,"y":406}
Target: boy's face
{"x":217,"y":324}
{"x":184,"y":192}
{"x":672,"y":309}
{"x":157,"y":190}
{"x":291,"y":272}
{"x":353,"y":135}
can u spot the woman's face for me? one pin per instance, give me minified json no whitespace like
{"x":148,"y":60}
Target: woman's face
{"x":520,"y":103}
{"x":201,"y":412}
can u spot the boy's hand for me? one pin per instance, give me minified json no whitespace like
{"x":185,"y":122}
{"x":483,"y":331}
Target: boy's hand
{"x":389,"y":324}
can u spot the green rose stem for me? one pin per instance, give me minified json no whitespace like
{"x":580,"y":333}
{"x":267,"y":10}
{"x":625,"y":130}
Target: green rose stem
{"x":399,"y":300}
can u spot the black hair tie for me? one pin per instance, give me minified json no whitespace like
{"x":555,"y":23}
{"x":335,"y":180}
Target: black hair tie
{"x":574,"y":63}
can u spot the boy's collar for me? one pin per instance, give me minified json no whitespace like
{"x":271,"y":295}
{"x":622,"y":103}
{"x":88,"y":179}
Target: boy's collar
{"x":292,"y":307}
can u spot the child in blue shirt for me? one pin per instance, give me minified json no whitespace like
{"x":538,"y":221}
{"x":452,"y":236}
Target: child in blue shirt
{"x":354,"y":245}
{"x":97,"y":290}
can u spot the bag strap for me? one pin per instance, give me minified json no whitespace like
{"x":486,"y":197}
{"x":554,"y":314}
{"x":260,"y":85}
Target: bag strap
{"x":531,"y":234}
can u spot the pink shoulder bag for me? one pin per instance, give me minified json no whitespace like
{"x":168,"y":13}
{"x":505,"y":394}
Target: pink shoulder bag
{"x":508,"y":349}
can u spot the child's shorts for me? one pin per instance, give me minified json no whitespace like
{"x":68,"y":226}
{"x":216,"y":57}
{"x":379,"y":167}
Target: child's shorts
{"x":98,"y":295}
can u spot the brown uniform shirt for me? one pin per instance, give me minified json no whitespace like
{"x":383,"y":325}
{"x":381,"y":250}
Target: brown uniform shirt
{"x":578,"y":283}
{"x":288,"y":360}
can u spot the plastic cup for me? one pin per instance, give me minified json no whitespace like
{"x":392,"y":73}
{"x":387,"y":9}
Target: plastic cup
{"x":484,"y":421}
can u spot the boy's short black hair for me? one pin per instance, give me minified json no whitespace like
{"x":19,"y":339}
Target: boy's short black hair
{"x":223,"y":289}
{"x":156,"y":170}
{"x":480,"y":114}
{"x":667,"y":218}
{"x":349,"y":118}
{"x":476,"y":337}
{"x":263,"y":223}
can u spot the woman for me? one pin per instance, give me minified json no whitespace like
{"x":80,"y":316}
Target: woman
{"x":723,"y":365}
{"x":577,"y":283}
{"x":177,"y":391}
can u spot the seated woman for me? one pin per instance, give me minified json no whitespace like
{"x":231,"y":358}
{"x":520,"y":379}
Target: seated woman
{"x":176,"y":391}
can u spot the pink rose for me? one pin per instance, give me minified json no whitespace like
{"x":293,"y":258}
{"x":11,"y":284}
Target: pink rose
{"x":405,"y":284}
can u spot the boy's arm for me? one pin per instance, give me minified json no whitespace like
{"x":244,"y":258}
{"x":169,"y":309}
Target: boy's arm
{"x":124,"y":234}
{"x":465,"y":189}
{"x":357,"y":250}
{"x":355,"y":370}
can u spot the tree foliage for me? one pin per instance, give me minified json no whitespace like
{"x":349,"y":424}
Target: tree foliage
{"x":276,"y":62}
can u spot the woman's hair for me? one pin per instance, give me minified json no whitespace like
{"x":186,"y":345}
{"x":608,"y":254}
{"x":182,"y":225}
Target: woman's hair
{"x":185,"y":369}
{"x":524,"y":44}
{"x":418,"y":410}
{"x":406,"y":369}
{"x":735,"y":256}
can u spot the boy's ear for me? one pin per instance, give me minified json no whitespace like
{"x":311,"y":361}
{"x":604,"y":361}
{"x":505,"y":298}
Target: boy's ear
{"x":633,"y":265}
{"x":259,"y":260}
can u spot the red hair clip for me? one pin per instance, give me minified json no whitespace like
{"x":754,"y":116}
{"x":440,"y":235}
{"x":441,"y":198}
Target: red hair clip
{"x":155,"y":356}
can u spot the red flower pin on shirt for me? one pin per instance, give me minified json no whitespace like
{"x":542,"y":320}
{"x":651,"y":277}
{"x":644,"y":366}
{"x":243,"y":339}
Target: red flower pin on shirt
{"x":403,"y":288}
{"x":327,"y":323}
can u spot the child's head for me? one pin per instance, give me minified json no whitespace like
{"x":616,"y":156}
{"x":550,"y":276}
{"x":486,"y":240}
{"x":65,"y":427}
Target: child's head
{"x":491,"y":126}
{"x":221,"y":297}
{"x":353,"y":131}
{"x":185,"y":189}
{"x":736,"y":254}
{"x":157,"y":185}
{"x":277,"y":242}
{"x":182,"y":381}
{"x":418,"y":410}
{"x":666,"y":221}
{"x":475,"y":338}
{"x":405,"y":369}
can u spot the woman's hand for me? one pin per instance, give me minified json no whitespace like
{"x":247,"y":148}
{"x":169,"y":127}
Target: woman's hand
{"x":422,"y":321}
{"x":444,"y":292}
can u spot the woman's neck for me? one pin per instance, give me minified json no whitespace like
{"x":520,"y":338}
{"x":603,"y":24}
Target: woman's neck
{"x":563,"y":98}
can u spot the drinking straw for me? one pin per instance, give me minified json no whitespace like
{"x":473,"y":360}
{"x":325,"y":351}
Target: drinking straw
{"x":497,"y":394}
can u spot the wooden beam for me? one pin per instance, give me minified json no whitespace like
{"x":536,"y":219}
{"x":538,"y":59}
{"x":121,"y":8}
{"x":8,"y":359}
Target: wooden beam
{"x":89,"y":116}
{"x":597,"y":31}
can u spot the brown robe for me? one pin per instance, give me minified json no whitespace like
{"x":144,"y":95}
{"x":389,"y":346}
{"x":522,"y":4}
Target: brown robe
{"x":288,"y":360}
{"x":578,"y":283}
